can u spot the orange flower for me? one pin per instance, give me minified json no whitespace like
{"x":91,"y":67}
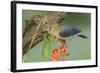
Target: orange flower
{"x":55,"y":54}
{"x":63,"y":51}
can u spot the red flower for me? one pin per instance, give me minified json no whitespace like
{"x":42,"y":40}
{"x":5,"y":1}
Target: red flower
{"x":55,"y":54}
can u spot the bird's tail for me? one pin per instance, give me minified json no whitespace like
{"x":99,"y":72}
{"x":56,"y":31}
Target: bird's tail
{"x":83,"y":36}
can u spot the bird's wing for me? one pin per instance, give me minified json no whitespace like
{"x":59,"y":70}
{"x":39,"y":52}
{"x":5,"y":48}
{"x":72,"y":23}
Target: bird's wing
{"x":69,"y":31}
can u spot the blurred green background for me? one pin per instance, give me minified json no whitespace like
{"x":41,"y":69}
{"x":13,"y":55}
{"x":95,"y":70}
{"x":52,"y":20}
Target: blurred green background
{"x":79,"y":48}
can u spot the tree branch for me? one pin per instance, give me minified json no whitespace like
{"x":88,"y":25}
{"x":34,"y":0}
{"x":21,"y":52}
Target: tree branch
{"x":31,"y":27}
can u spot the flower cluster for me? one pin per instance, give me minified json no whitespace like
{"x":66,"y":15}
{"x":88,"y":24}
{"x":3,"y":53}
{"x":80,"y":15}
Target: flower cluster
{"x":57,"y":51}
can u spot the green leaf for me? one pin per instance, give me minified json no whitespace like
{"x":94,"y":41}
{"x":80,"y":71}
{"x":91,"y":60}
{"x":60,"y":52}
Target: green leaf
{"x":47,"y":42}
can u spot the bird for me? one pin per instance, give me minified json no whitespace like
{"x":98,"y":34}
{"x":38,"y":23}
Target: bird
{"x":65,"y":34}
{"x":62,"y":35}
{"x":71,"y":32}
